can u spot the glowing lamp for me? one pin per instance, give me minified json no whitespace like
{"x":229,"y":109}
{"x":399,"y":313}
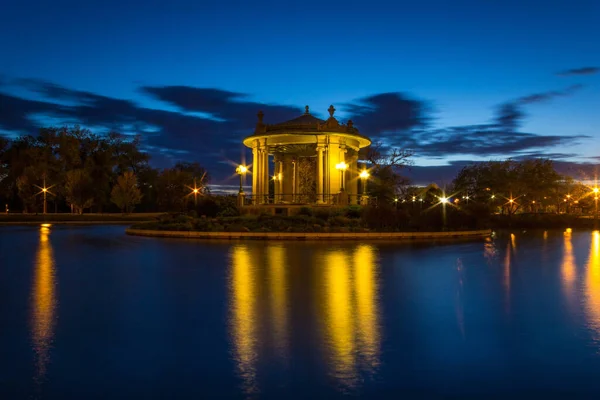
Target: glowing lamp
{"x":342,"y":166}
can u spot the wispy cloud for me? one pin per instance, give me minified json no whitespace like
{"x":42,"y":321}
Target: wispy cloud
{"x":546,"y":96}
{"x":579,"y":71}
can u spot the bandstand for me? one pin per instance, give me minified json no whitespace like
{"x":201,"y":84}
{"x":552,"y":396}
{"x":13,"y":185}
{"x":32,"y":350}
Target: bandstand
{"x":306,"y":161}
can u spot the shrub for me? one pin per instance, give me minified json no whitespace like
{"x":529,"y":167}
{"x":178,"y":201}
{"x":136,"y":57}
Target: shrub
{"x":353,"y":211}
{"x":305,"y":211}
{"x":321,"y":213}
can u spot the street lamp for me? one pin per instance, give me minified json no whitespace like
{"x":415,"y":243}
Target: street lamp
{"x":45,"y":190}
{"x":364,"y":175}
{"x":595,"y":191}
{"x":241,"y":171}
{"x":342,"y":167}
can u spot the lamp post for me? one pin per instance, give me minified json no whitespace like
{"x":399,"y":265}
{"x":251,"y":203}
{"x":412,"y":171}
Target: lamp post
{"x":195,"y":191}
{"x":596,"y":190}
{"x":342,"y":168}
{"x":444,"y":200}
{"x":44,"y":190}
{"x":241,"y":171}
{"x":364,"y":175}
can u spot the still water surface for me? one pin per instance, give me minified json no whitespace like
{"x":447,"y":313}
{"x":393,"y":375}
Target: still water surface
{"x":88,"y":312}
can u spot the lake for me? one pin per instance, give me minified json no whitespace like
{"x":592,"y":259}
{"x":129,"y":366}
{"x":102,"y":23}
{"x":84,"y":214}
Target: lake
{"x":89,"y":312}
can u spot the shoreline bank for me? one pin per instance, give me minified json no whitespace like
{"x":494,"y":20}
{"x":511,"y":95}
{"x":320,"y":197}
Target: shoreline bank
{"x":307,"y":235}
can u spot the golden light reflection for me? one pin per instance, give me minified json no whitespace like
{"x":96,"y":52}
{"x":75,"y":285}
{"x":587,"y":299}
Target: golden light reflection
{"x":568,"y":266}
{"x":339,"y":317}
{"x":278,"y":287}
{"x":43,"y":302}
{"x":365,"y":280}
{"x":489,"y":250}
{"x":351,"y":316}
{"x":243,"y":318}
{"x":510,"y":248}
{"x":593,"y":284}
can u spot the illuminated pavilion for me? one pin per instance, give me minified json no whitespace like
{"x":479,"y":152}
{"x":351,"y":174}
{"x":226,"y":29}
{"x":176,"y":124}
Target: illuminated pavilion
{"x":314,"y":161}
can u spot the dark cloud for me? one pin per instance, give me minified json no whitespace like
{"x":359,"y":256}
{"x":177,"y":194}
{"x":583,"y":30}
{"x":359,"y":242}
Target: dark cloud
{"x":210,"y":123}
{"x":486,"y":141}
{"x":579,"y":71}
{"x":399,"y":121}
{"x":15,"y":113}
{"x":231,"y":107}
{"x":388,"y":114}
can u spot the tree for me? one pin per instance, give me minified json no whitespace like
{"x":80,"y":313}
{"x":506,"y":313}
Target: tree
{"x":510,"y":186}
{"x":79,"y":189}
{"x":125,"y":194}
{"x":385,"y":166}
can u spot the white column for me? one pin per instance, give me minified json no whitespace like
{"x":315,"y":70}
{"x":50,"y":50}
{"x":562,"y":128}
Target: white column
{"x":254,"y":171}
{"x":266,"y":174}
{"x":327,"y":173}
{"x":342,"y":173}
{"x":294,"y":169}
{"x":279,"y":170}
{"x":320,"y":174}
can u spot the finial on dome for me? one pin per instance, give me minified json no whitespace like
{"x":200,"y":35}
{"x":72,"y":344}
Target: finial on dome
{"x":260,"y":116}
{"x":306,"y":110}
{"x":350,"y":124}
{"x":331,"y":110}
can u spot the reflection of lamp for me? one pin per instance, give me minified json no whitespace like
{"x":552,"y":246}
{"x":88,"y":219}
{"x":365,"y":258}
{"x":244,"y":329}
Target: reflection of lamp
{"x":342,"y":167}
{"x":241,"y":171}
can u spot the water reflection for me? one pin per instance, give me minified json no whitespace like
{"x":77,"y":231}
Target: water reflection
{"x":593,"y":284}
{"x":568,"y":266}
{"x":339,"y":314}
{"x":350,"y":313}
{"x":366,"y":305}
{"x":43,"y":303}
{"x":347,"y":308}
{"x":278,"y":297}
{"x":243,"y":309}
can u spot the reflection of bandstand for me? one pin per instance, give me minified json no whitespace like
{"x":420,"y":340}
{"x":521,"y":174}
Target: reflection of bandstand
{"x":315,"y":162}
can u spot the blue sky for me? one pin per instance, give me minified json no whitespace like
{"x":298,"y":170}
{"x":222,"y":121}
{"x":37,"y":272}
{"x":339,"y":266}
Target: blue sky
{"x":463,"y":59}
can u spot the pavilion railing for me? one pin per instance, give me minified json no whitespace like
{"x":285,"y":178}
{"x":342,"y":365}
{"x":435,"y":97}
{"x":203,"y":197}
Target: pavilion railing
{"x":335,"y":199}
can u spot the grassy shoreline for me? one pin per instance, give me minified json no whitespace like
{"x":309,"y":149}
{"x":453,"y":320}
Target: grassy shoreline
{"x":75,"y":219}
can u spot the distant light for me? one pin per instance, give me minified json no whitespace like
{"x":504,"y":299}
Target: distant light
{"x":364,"y":174}
{"x":196,"y":191}
{"x":443,"y":199}
{"x":396,"y":200}
{"x":44,"y":190}
{"x":493,"y":196}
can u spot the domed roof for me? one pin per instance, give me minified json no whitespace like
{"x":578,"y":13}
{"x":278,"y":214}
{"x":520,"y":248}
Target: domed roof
{"x":307,"y":124}
{"x":305,"y":119}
